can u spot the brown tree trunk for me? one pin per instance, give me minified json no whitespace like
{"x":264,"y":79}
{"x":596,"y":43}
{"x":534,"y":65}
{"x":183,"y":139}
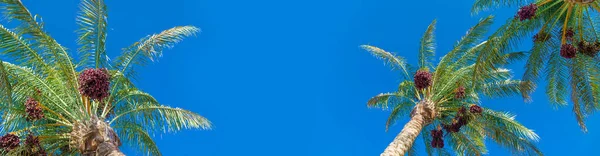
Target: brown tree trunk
{"x":108,"y":149}
{"x":420,"y":117}
{"x":95,"y":138}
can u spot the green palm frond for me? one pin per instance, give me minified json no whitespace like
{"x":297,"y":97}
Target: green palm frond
{"x":442,"y":152}
{"x":483,"y":5}
{"x":469,"y":57}
{"x":508,"y":37}
{"x":402,"y":108}
{"x":122,"y":98}
{"x":506,"y":88}
{"x":161,"y":118}
{"x":514,"y":57}
{"x":381,"y":100}
{"x":394,"y":61}
{"x":29,"y":82}
{"x":579,"y":115}
{"x":468,"y":143}
{"x":137,"y":137}
{"x":134,"y":95}
{"x":426,"y":137}
{"x":474,"y":35}
{"x":5,"y":87}
{"x":584,"y":95}
{"x":15,"y":46}
{"x":536,"y":61}
{"x":149,"y":48}
{"x":427,"y":46}
{"x":57,"y":54}
{"x":504,"y":130}
{"x":557,"y":74}
{"x":386,"y":100}
{"x":92,"y":33}
{"x":412,"y":151}
{"x":15,"y":10}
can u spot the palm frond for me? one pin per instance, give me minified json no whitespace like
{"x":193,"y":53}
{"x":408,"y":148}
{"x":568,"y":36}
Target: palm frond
{"x":401,"y":109}
{"x":537,"y":60}
{"x":468,"y":144}
{"x":426,"y":137}
{"x":123,"y":96}
{"x":412,"y":151}
{"x":583,"y":82}
{"x":405,"y":93}
{"x":505,"y":39}
{"x":557,"y":77}
{"x":427,"y":46}
{"x":473,"y":36}
{"x":92,"y":33}
{"x":15,"y":46}
{"x":54,"y":93}
{"x":381,"y":100}
{"x":161,"y":118}
{"x":394,"y":61}
{"x":46,"y":45}
{"x":507,"y":88}
{"x":14,"y":9}
{"x":5,"y":87}
{"x":514,"y":57}
{"x":483,"y":5}
{"x":137,"y":137}
{"x":151,"y":47}
{"x":504,"y":130}
{"x":583,"y":95}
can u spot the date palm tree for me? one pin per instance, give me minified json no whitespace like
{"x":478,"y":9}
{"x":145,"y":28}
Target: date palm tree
{"x":442,"y":98}
{"x":565,"y":48}
{"x":54,"y":104}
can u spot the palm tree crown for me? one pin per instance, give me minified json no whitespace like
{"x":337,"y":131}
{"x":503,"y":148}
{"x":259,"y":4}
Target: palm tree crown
{"x":53,"y":104}
{"x":444,"y":105}
{"x":566,"y":45}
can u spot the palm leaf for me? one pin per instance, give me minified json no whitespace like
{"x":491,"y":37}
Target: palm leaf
{"x":149,"y":48}
{"x":92,"y":33}
{"x":483,"y":5}
{"x":401,"y":109}
{"x":504,"y":130}
{"x":137,"y":136}
{"x":6,"y":93}
{"x":394,"y":61}
{"x":162,"y":118}
{"x":427,"y":46}
{"x":474,"y":35}
{"x":57,"y":54}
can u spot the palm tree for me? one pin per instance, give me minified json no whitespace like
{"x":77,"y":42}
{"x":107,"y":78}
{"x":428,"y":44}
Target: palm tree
{"x":90,"y":107}
{"x":441,"y":97}
{"x":565,"y":48}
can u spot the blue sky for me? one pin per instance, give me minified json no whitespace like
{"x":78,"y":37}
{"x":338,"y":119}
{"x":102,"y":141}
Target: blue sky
{"x":287,"y":77}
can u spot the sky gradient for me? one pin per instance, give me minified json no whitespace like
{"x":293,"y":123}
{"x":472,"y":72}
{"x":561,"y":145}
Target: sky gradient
{"x":288,"y":77}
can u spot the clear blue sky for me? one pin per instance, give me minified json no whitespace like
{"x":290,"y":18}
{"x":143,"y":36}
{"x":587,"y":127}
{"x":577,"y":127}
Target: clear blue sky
{"x":287,"y":77}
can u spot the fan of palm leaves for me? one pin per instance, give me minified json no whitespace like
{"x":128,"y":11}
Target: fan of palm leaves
{"x":41,"y":69}
{"x":566,"y":44}
{"x":438,"y":104}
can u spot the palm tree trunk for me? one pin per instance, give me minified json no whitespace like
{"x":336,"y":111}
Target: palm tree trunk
{"x":404,"y":140}
{"x":108,"y":149}
{"x":95,"y":138}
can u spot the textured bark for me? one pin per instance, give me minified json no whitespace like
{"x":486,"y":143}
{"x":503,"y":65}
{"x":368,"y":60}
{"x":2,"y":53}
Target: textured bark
{"x":108,"y":149}
{"x":421,"y":116}
{"x":95,"y":138}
